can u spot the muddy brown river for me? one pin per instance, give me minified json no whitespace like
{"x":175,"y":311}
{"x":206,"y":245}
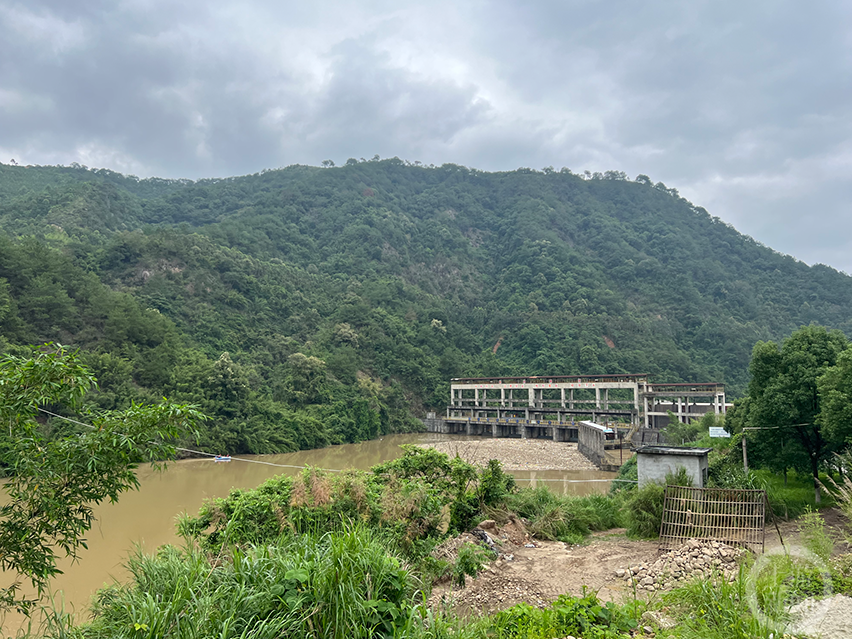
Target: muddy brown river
{"x":147,"y":517}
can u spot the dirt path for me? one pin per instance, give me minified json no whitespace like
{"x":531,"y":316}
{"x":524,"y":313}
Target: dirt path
{"x":537,"y":575}
{"x":537,"y":572}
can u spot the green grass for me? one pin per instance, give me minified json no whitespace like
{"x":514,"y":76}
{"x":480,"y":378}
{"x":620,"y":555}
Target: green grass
{"x":564,"y":517}
{"x":794,"y":499}
{"x":715,"y":609}
{"x":343,"y":585}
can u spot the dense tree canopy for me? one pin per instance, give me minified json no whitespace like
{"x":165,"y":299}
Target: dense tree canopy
{"x":785,"y":413}
{"x":308,"y":306}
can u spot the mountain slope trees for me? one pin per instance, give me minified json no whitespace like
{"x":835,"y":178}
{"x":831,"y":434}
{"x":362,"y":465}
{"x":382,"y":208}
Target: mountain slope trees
{"x":345,"y":298}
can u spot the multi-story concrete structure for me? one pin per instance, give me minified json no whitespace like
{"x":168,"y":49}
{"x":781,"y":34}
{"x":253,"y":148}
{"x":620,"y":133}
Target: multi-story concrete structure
{"x":549,"y":406}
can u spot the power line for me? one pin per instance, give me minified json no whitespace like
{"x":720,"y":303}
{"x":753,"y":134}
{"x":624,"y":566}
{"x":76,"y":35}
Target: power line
{"x":331,"y":470}
{"x":200,"y":452}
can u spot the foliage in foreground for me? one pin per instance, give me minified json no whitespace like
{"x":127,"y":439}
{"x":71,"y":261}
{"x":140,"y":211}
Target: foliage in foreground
{"x":341,"y":585}
{"x":715,"y":608}
{"x":54,"y":481}
{"x":582,"y":616}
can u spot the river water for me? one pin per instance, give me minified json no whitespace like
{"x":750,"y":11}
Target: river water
{"x":147,"y":517}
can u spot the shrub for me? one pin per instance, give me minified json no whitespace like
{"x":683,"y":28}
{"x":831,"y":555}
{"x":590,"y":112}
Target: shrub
{"x":629,"y":471}
{"x":645,"y":511}
{"x":494,"y":485}
{"x":578,"y":616}
{"x":470,"y":561}
{"x":564,"y":517}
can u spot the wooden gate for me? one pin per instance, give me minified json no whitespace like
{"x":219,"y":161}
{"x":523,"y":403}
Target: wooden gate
{"x":734,"y":517}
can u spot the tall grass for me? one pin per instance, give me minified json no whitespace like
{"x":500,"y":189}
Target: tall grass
{"x":715,"y":608}
{"x":342,"y":585}
{"x":564,"y":517}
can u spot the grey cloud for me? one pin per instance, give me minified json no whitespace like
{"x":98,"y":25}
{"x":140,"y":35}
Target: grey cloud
{"x":744,"y":107}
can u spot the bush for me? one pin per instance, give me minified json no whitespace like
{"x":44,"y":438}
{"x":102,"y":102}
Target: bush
{"x":578,"y":616}
{"x":629,"y":472}
{"x":645,"y":511}
{"x":472,"y":558}
{"x":564,"y":517}
{"x":494,"y":485}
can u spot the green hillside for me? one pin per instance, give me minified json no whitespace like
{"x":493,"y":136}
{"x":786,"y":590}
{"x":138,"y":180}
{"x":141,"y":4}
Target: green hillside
{"x":345,"y":298}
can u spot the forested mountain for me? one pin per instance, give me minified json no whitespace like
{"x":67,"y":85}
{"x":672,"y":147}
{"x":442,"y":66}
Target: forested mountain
{"x":307,"y":306}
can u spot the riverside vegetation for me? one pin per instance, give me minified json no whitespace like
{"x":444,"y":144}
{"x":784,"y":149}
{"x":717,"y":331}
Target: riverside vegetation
{"x":350,"y":555}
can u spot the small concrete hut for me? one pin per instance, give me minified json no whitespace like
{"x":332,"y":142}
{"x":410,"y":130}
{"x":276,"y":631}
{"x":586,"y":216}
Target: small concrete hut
{"x":655,"y":462}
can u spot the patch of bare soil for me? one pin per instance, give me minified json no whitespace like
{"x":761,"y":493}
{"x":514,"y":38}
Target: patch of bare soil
{"x":787,"y":531}
{"x":537,"y":572}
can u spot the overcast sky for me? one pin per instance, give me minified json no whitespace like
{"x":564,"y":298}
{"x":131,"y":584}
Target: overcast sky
{"x":744,"y":107}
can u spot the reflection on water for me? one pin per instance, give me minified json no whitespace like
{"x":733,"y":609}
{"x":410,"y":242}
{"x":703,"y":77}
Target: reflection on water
{"x":147,"y":517}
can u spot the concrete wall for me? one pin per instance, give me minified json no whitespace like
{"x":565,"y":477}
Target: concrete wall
{"x":654,"y":468}
{"x":590,"y":442}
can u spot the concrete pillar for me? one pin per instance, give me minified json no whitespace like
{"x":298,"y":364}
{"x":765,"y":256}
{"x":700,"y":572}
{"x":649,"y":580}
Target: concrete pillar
{"x":597,"y":397}
{"x":562,"y":403}
{"x":502,"y":396}
{"x":606,"y":399}
{"x":476,"y":397}
{"x":571,"y":402}
{"x":645,"y":406}
{"x":531,"y":397}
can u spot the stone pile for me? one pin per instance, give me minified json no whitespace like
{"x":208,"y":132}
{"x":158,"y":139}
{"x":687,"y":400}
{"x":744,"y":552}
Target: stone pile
{"x":693,"y":559}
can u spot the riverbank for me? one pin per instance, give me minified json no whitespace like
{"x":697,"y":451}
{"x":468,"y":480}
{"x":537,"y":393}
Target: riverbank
{"x":516,"y":454}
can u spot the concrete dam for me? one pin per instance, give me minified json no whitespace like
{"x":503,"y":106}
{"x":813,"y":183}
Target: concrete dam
{"x":554,"y":407}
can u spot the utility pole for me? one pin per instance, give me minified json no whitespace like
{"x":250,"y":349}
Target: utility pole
{"x":745,"y":453}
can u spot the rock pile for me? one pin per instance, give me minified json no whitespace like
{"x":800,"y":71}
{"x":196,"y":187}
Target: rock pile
{"x":693,"y":559}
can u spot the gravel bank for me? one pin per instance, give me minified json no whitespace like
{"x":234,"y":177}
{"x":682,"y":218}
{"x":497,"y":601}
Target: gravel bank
{"x":517,"y":454}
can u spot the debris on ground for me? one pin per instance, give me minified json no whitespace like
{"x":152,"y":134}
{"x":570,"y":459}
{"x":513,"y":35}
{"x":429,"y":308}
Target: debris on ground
{"x":537,"y":571}
{"x":693,"y":559}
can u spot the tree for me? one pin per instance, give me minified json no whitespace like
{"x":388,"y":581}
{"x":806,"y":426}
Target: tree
{"x":53,"y":482}
{"x":835,"y":392}
{"x":784,"y":401}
